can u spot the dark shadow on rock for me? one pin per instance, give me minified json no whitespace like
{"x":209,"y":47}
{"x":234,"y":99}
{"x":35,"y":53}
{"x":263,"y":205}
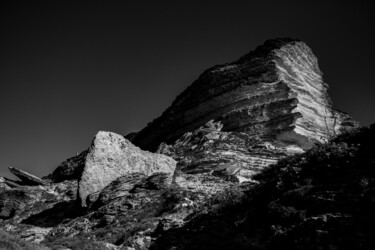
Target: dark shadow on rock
{"x":55,"y":215}
{"x":322,"y":199}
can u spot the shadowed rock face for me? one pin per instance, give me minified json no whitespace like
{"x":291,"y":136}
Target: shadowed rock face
{"x":276,"y":92}
{"x":70,"y":169}
{"x":322,"y":199}
{"x":111,"y":156}
{"x":233,"y":123}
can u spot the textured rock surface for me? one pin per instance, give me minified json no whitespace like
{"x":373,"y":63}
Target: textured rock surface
{"x":232,"y":156}
{"x":27,"y":178}
{"x":11,"y":202}
{"x":233,"y":123}
{"x":322,"y":199}
{"x":71,"y":169}
{"x":35,"y":234}
{"x":3,"y":184}
{"x":11,"y":183}
{"x":111,"y":156}
{"x":130,"y":209}
{"x":32,"y":211}
{"x":22,"y":202}
{"x":119,"y":188}
{"x":276,"y":92}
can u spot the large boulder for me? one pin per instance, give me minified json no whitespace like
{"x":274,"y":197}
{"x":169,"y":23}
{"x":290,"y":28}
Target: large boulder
{"x":112,"y":156}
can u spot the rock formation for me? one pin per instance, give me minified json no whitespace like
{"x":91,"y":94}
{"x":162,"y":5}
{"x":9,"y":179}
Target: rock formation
{"x":3,"y":184}
{"x":322,"y":199}
{"x":233,"y":156}
{"x":275,"y":92}
{"x":27,"y":178}
{"x":217,"y":179}
{"x":10,"y":183}
{"x":111,"y":156}
{"x":71,"y":169}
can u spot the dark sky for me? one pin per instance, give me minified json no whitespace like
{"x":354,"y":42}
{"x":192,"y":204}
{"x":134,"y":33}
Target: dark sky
{"x":69,"y":69}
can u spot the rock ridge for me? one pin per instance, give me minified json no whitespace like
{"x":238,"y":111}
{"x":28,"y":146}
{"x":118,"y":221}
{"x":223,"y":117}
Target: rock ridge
{"x":235,"y":121}
{"x":276,"y":92}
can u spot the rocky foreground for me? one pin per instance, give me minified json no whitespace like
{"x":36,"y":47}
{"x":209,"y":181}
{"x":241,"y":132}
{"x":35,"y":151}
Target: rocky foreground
{"x":240,"y":160}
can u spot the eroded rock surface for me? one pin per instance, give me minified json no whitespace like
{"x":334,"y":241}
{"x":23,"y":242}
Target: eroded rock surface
{"x":276,"y":92}
{"x":70,"y":169}
{"x":32,"y":211}
{"x":3,"y":183}
{"x":27,"y":178}
{"x":236,"y":121}
{"x":112,"y":156}
{"x":232,"y":156}
{"x":322,"y":199}
{"x":131,"y":208}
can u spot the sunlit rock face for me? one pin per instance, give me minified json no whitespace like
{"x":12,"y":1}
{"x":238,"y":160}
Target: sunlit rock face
{"x":111,"y":156}
{"x":275,"y":92}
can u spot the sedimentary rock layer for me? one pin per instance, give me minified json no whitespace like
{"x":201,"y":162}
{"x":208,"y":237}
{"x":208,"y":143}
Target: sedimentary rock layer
{"x":276,"y":92}
{"x":232,"y":156}
{"x":112,"y":156}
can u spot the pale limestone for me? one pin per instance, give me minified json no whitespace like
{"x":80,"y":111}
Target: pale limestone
{"x":112,"y":156}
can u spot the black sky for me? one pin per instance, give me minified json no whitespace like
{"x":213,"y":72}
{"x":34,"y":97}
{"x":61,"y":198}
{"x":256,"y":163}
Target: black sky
{"x":71,"y":68}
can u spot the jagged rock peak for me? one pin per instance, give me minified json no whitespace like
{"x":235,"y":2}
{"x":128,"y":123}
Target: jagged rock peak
{"x":276,"y":92}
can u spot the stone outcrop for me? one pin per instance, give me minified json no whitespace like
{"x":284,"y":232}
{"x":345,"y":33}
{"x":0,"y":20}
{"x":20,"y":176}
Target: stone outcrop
{"x":322,"y":199}
{"x":3,"y":184}
{"x":27,"y":179}
{"x":126,"y":185}
{"x":217,"y":180}
{"x":120,"y":187}
{"x":35,"y":234}
{"x":130,"y":208}
{"x":232,"y":156}
{"x":71,"y":169}
{"x":112,"y":156}
{"x":11,"y":202}
{"x":21,"y":202}
{"x":276,"y":92}
{"x":10,"y":183}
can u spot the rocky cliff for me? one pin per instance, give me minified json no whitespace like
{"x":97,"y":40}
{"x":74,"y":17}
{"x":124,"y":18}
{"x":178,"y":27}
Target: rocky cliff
{"x":322,"y":199}
{"x":241,"y":117}
{"x":276,"y":92}
{"x":212,"y":182}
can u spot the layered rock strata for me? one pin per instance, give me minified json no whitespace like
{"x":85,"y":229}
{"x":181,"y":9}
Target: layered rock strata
{"x":232,"y":156}
{"x":276,"y":92}
{"x":70,"y":169}
{"x":112,"y":156}
{"x":232,"y":123}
